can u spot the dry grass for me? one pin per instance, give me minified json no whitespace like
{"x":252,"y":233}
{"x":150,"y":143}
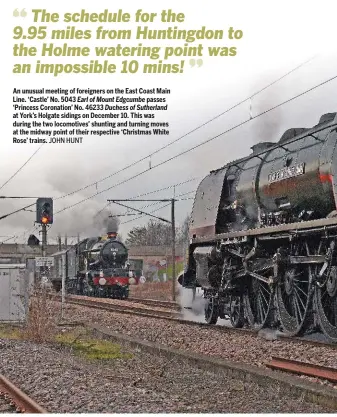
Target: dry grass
{"x":153,"y":290}
{"x":8,"y":331}
{"x":42,"y":318}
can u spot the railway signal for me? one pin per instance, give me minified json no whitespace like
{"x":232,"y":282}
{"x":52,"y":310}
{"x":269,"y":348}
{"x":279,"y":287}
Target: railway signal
{"x":44,"y":216}
{"x":44,"y":210}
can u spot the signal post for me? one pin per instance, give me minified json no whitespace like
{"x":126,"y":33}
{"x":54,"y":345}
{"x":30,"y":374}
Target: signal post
{"x":44,"y":216}
{"x":44,"y":239}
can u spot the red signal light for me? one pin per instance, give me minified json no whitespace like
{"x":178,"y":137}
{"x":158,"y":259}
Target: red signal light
{"x":44,"y":210}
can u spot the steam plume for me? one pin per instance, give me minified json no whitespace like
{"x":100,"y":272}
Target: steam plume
{"x":104,"y":224}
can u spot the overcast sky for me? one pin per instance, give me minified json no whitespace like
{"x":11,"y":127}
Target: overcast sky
{"x":278,"y":36}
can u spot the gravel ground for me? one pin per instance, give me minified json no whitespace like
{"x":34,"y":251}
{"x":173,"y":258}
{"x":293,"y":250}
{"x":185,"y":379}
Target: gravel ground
{"x":227,"y":345}
{"x":64,"y":383}
{"x":206,"y":340}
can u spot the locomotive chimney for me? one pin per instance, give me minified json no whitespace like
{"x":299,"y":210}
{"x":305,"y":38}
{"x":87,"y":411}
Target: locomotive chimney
{"x":261,"y":147}
{"x":112,"y":235}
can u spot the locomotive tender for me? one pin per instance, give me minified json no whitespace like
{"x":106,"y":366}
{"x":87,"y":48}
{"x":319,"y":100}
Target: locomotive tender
{"x":96,"y":266}
{"x":263,"y":235}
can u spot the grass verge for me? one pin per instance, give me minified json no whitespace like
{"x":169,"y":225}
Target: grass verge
{"x":91,"y":349}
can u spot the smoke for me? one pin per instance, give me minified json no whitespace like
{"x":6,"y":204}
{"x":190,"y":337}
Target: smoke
{"x":269,"y":334}
{"x":104,"y":224}
{"x":266,"y":128}
{"x":192,"y":310}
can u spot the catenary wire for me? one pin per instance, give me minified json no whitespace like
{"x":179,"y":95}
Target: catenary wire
{"x":164,"y":147}
{"x":139,"y":195}
{"x":150,"y":212}
{"x":22,"y":166}
{"x":158,"y":202}
{"x":189,"y":132}
{"x":154,"y":191}
{"x":200,"y":144}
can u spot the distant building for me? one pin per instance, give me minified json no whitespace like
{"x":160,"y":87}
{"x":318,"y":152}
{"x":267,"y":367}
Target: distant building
{"x":152,"y":261}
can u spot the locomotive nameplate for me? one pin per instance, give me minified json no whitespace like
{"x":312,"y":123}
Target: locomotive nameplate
{"x":287,"y":172}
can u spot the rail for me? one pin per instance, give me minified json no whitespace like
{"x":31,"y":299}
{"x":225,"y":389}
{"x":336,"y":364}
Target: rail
{"x":156,"y":303}
{"x":24,"y":403}
{"x":128,"y":308}
{"x":303,"y":368}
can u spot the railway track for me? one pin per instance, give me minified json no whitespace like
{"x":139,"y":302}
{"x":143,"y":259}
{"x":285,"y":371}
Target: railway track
{"x":13,"y":400}
{"x":141,"y":308}
{"x":175,"y":316}
{"x":157,"y":303}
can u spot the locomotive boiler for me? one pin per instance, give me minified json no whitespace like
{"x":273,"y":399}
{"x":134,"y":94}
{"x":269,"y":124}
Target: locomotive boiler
{"x":263,"y":235}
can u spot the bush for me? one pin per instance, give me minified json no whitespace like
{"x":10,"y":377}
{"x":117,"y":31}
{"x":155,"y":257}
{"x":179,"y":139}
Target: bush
{"x":42,"y":319}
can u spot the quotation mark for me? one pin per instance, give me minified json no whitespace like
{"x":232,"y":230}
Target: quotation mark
{"x":199,"y":62}
{"x":16,"y":13}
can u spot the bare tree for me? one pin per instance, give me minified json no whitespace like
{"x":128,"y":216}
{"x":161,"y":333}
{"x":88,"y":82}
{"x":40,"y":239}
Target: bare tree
{"x":157,"y":233}
{"x":153,"y":234}
{"x":182,"y":236}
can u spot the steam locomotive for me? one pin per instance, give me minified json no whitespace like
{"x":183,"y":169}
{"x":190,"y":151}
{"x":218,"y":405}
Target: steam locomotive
{"x":263,"y":235}
{"x":96,"y":266}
